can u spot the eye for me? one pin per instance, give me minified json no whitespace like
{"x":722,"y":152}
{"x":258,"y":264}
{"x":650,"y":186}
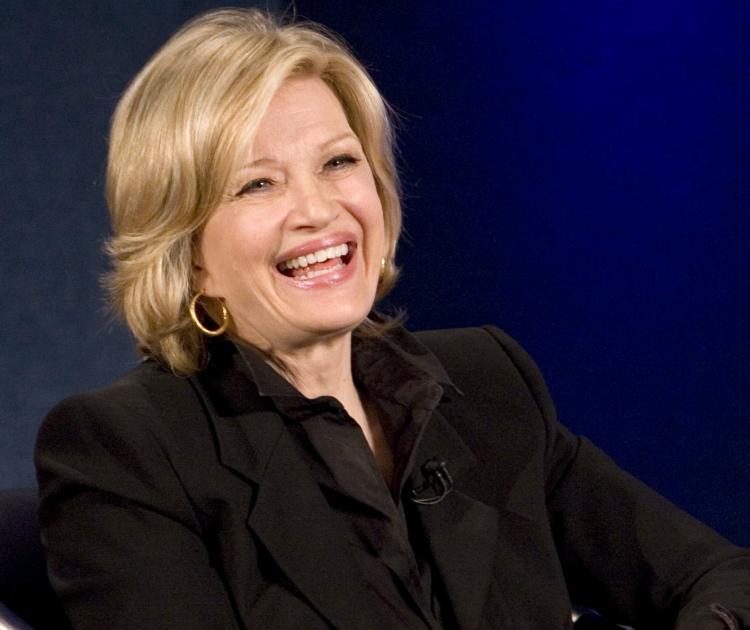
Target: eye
{"x":255,"y":185}
{"x":341,"y":161}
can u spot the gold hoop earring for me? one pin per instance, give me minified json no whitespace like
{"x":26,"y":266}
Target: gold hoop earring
{"x":382,"y":269}
{"x":199,"y":325}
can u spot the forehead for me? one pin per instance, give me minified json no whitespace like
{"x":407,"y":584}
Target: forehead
{"x":303,"y":111}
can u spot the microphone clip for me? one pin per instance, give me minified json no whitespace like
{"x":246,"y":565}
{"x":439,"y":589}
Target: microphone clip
{"x":437,"y":483}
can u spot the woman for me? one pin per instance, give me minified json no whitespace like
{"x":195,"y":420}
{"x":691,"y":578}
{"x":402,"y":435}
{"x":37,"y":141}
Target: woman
{"x":285,"y":457}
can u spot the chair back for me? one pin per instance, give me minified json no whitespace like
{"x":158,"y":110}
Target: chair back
{"x":27,"y":601}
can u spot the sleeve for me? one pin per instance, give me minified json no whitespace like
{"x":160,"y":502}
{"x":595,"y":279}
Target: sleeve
{"x":123,"y":545}
{"x":625,"y":550}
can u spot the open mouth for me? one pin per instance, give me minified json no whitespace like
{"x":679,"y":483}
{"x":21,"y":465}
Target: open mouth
{"x":318,"y":263}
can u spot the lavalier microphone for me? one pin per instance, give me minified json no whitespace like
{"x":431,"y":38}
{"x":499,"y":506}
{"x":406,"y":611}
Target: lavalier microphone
{"x":437,"y":483}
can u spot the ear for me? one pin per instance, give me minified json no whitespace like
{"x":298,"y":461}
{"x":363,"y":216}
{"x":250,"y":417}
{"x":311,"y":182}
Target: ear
{"x":203,"y":281}
{"x":199,"y":276}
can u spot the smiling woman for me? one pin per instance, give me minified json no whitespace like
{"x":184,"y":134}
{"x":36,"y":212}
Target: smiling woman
{"x":287,"y":457}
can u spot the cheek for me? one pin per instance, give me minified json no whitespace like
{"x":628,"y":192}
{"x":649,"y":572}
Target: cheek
{"x":377,"y":219}
{"x":375,"y":208}
{"x":364,"y":198}
{"x":229,"y":243}
{"x":217,"y":239}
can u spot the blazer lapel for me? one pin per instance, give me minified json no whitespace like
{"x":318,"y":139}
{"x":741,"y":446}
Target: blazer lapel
{"x":462,"y":532}
{"x":310,"y":546}
{"x":289,"y":516}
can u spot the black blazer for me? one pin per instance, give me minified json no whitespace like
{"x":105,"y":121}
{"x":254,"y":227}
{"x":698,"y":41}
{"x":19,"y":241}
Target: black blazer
{"x":184,"y":503}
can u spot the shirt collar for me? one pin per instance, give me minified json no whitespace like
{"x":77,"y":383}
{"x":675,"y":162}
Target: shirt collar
{"x":389,"y":366}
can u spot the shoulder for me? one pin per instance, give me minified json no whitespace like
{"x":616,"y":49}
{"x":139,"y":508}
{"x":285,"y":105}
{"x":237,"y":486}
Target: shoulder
{"x":487,"y":359}
{"x":134,"y":395}
{"x":119,"y":419}
{"x":466,"y":346}
{"x":130,"y":441}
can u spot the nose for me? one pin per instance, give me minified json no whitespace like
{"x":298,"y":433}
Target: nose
{"x":313,"y":204}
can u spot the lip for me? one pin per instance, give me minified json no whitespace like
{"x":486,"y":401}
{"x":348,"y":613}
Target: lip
{"x":330,"y":279}
{"x":329,"y":240}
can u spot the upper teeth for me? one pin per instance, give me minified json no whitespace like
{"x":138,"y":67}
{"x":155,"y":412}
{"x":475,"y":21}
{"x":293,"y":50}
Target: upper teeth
{"x":316,"y":257}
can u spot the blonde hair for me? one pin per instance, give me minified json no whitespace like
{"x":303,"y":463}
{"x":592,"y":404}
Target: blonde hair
{"x":176,"y":138}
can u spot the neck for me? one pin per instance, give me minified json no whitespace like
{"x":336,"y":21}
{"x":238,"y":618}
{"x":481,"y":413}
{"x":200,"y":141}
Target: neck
{"x":325,"y":369}
{"x":320,"y":369}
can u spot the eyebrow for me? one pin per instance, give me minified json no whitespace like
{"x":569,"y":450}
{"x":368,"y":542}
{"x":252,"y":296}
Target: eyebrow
{"x":322,"y":146}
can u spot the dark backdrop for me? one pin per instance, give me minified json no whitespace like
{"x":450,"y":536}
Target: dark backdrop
{"x":574,"y":172}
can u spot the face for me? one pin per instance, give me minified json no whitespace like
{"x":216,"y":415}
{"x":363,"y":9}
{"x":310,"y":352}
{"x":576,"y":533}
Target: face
{"x":295,"y":248}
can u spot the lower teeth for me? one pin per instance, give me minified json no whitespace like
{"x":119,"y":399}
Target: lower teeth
{"x":314,"y":274}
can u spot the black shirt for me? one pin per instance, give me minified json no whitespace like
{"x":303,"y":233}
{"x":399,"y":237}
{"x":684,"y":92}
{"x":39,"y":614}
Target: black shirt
{"x":406,"y":385}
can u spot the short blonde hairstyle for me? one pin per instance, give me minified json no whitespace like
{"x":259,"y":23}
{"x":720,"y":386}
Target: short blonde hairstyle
{"x":177,"y":136}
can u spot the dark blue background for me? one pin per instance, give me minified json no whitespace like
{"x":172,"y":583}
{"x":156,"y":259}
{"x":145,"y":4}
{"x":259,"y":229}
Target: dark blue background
{"x":574,"y":172}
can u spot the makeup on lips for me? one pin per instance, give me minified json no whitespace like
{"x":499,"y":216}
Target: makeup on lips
{"x":326,"y":260}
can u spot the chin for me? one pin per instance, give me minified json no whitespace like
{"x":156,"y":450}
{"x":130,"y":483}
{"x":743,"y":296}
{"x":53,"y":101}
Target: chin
{"x":344,"y":320}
